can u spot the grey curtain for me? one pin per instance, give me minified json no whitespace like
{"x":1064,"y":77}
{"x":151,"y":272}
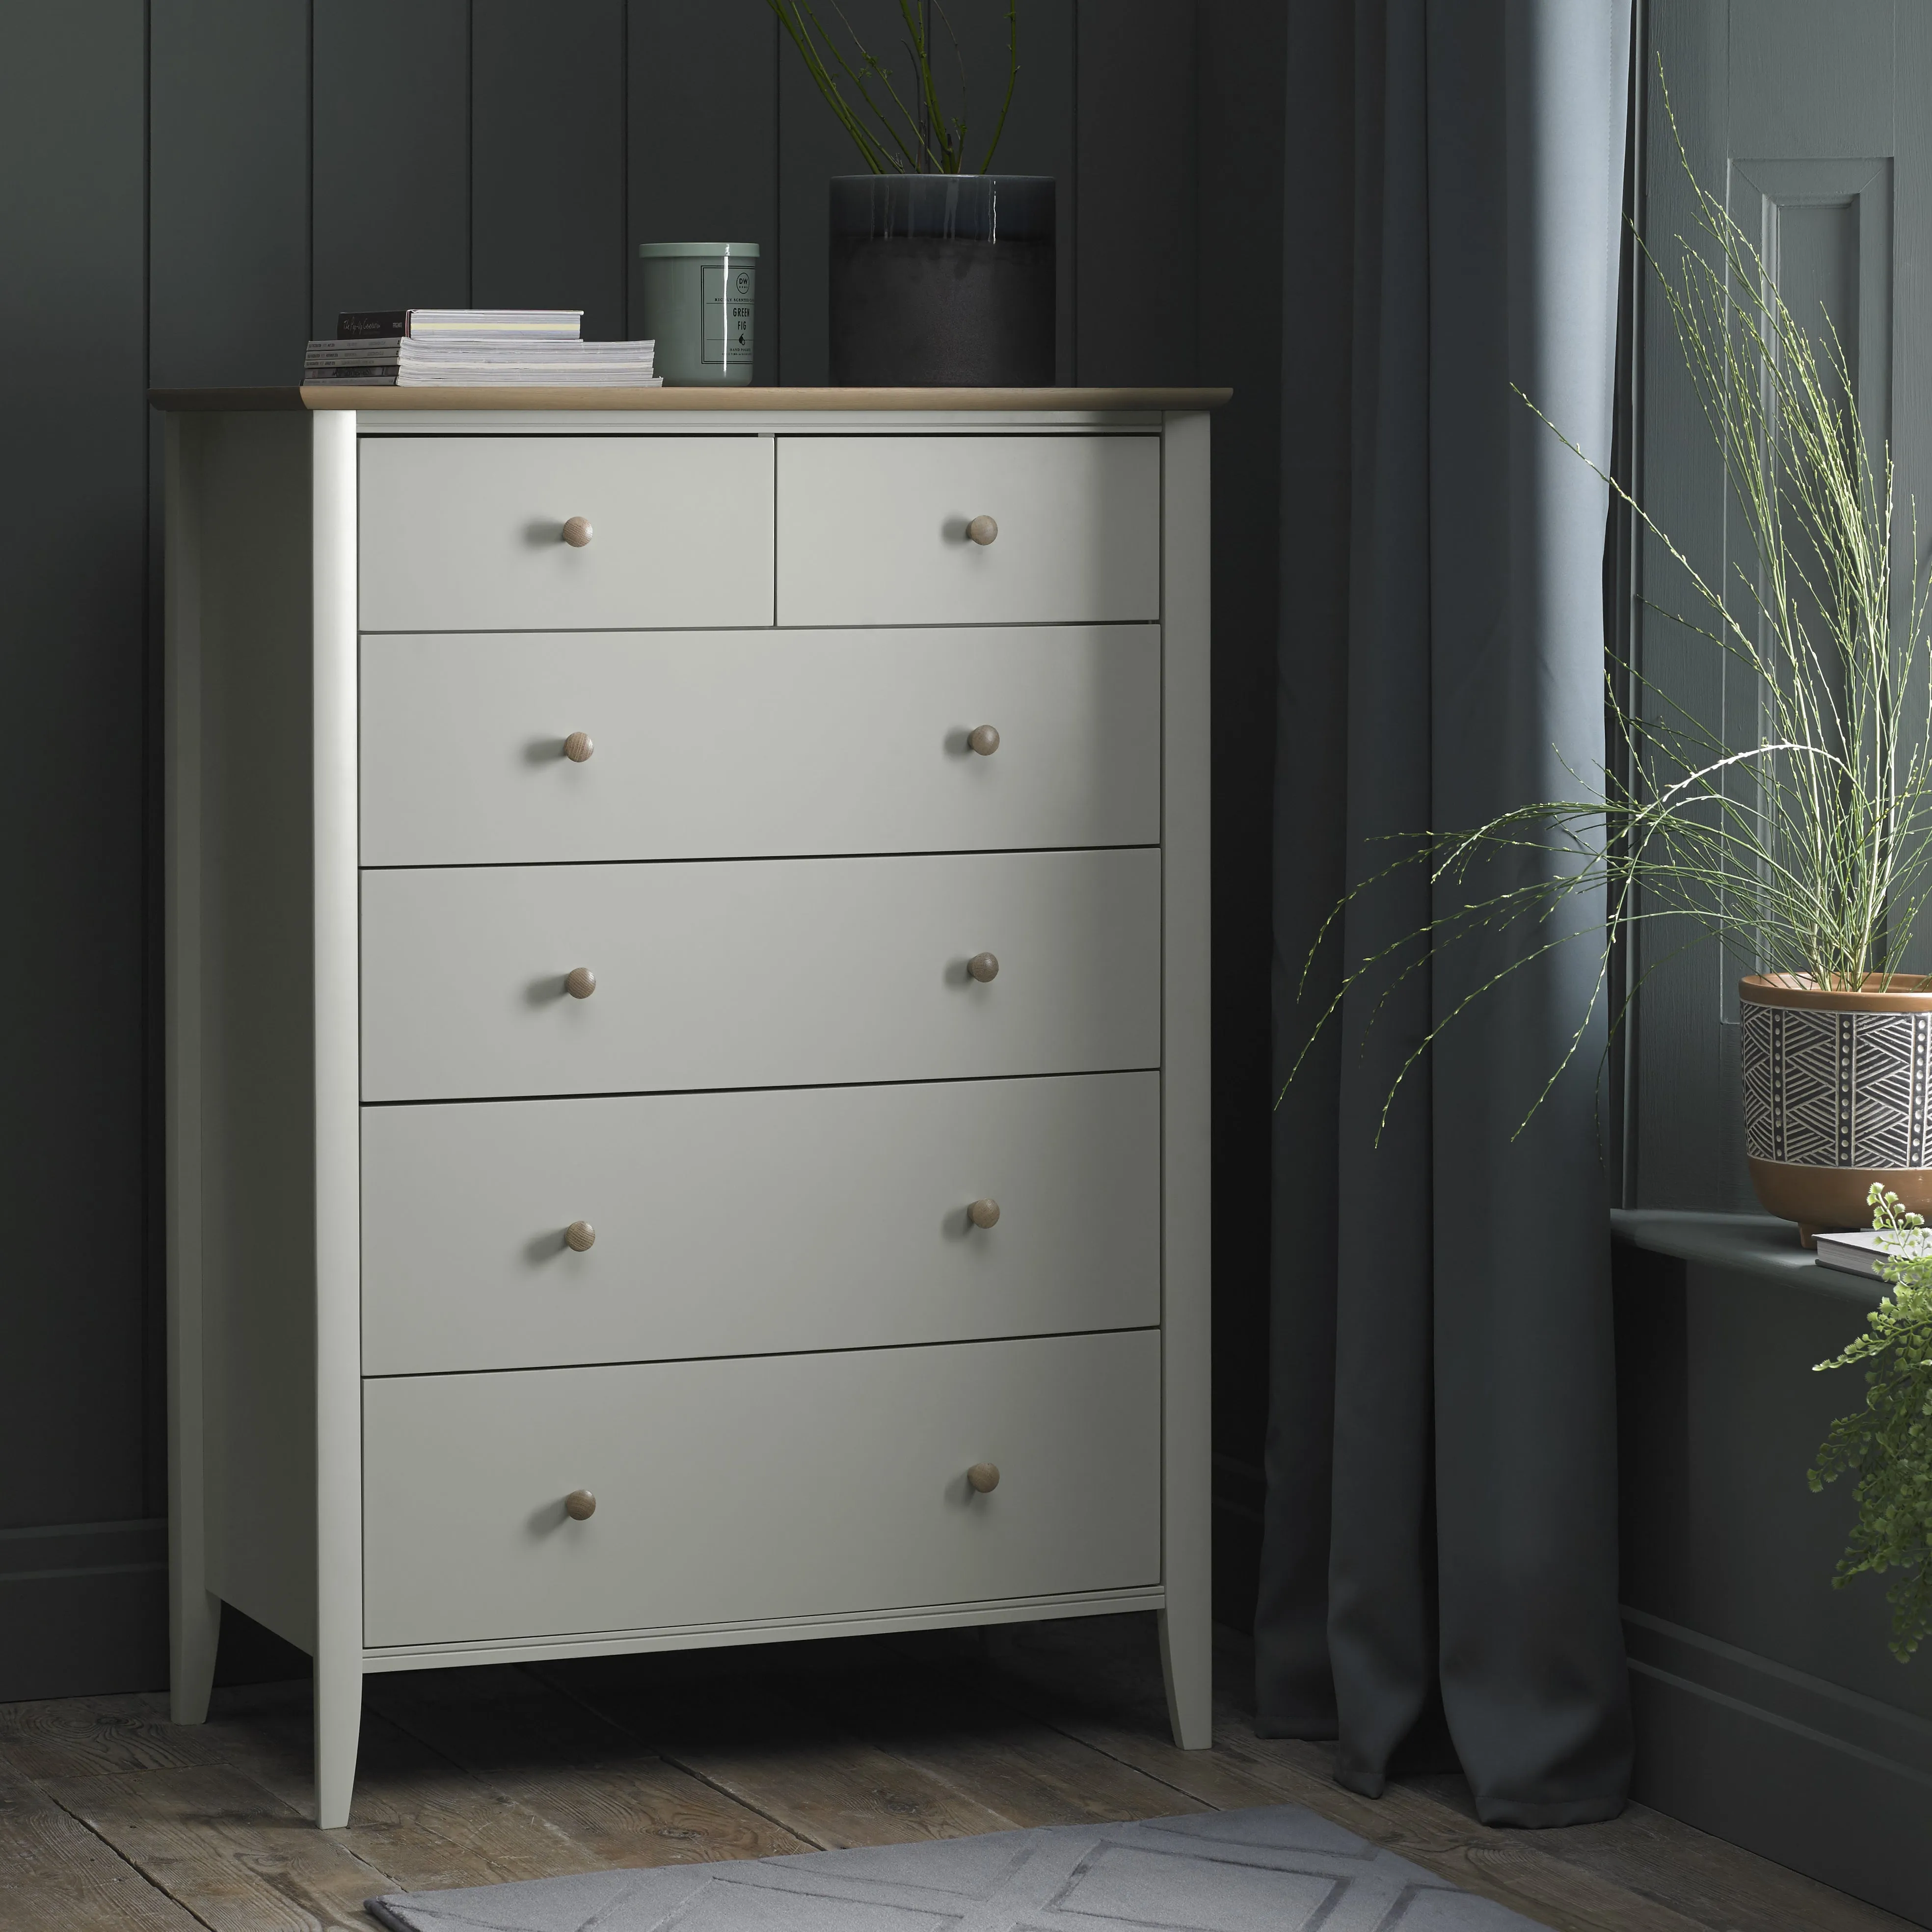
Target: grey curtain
{"x":1439,"y":1566}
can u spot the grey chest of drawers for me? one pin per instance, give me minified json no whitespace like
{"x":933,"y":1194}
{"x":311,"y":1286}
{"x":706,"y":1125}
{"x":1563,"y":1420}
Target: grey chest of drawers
{"x":688,"y":1014}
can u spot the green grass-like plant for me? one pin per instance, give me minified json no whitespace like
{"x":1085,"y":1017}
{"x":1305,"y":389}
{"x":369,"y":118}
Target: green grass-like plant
{"x":1887,"y":1444}
{"x":1802,"y":844}
{"x":894,"y":134}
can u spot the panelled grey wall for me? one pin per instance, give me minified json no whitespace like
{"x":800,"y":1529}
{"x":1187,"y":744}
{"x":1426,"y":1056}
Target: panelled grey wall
{"x":198,"y":186}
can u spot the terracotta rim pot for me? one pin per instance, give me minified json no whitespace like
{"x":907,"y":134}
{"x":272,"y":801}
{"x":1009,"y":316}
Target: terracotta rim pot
{"x":1838,"y":1093}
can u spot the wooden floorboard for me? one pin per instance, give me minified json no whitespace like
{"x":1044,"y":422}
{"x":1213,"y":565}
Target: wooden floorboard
{"x":80,"y":1737}
{"x":608,"y":1799}
{"x":1027,"y":1770}
{"x":420,"y":1818}
{"x":215,"y":1842}
{"x":56,"y":1875}
{"x":1711,"y":1882}
{"x":111,"y":1817}
{"x":746,"y":1737}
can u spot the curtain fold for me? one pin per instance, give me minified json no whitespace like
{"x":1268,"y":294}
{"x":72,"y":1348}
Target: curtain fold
{"x":1440,"y":1541}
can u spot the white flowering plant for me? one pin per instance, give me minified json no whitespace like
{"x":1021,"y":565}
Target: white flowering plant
{"x":1887,"y":1444}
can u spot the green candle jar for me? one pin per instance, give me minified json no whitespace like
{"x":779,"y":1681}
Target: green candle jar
{"x":697,"y":300}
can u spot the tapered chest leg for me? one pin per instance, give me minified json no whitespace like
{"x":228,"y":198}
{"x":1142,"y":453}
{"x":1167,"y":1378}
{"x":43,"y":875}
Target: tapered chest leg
{"x":338,"y":1728}
{"x":1187,"y":1669}
{"x":194,"y":1635}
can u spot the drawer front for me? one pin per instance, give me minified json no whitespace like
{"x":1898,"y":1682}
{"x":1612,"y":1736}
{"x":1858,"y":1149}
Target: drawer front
{"x":756,"y":972}
{"x":783,"y":1486}
{"x":872,"y":529}
{"x":465,"y":533}
{"x":719,"y":744}
{"x":753,"y":1223}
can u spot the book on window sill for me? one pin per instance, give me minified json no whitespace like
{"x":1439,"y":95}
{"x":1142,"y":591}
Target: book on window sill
{"x":462,"y":324}
{"x":1855,"y":1253}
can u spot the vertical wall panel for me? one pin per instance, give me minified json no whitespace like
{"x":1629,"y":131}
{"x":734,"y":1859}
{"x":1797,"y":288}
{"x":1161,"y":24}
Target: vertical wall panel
{"x":546,"y":182}
{"x":228,"y":225}
{"x":73,"y":538}
{"x":228,"y":302}
{"x":391,"y":194}
{"x":813,"y":147}
{"x":1136,"y":260}
{"x":75,"y":1425}
{"x":1038,"y":135}
{"x":1242,"y":49}
{"x":703,"y":111}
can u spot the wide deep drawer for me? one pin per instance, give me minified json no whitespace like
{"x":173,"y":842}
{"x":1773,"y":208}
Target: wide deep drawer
{"x":724,"y":744}
{"x":873,"y":529}
{"x":752,"y":1223}
{"x":791,"y":1486}
{"x":758,"y":973}
{"x":466,"y":533}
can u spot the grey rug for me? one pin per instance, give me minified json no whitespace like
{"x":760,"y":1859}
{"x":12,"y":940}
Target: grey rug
{"x":1278,"y":1869}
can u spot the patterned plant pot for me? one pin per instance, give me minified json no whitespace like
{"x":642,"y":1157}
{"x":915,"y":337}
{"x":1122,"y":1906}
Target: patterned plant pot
{"x":1837,"y":1089}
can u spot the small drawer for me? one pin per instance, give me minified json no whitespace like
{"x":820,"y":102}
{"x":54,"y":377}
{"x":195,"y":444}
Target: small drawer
{"x":875,"y":529}
{"x":699,"y":745}
{"x":784,"y":1487}
{"x":754,"y":1223}
{"x":469,"y":532}
{"x":758,"y":973}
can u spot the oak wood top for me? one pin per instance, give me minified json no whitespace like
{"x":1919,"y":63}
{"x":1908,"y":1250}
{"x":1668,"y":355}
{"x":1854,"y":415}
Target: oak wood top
{"x":312,"y":396}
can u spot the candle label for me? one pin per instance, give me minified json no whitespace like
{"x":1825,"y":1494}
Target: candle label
{"x":726,"y":291}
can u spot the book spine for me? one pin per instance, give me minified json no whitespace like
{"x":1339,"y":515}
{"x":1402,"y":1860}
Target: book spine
{"x":371,"y":322}
{"x":470,"y":355}
{"x":494,"y":331}
{"x":375,"y":349}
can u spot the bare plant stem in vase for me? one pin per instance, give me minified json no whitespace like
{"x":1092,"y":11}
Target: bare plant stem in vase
{"x":939,"y":274}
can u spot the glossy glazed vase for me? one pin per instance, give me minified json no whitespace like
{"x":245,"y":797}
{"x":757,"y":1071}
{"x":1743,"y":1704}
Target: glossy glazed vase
{"x":942,"y":281}
{"x":1837,"y":1094}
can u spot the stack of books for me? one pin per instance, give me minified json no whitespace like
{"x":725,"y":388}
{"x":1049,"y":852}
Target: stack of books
{"x":535,"y":348}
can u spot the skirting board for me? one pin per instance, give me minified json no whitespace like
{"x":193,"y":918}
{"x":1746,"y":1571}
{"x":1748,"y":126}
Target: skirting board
{"x":1819,"y":1779}
{"x":1769,"y":1709}
{"x":83,"y":1610}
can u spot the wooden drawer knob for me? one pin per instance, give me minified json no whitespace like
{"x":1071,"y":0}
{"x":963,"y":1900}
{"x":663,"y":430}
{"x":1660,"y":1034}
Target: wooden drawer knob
{"x":581,"y":983}
{"x":983,"y":738}
{"x":581,"y":1503}
{"x":982,"y":529}
{"x":578,"y":747}
{"x":984,"y":1213}
{"x":577,"y":532}
{"x":580,"y":1235}
{"x":983,"y":967}
{"x":985,"y":1476}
